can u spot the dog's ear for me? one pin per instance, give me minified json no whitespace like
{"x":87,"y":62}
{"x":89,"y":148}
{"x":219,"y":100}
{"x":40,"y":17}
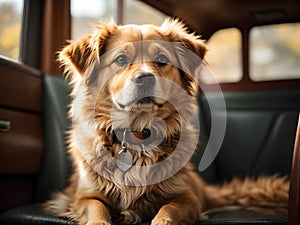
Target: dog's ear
{"x":190,"y":50}
{"x":78,"y":55}
{"x":177,"y":32}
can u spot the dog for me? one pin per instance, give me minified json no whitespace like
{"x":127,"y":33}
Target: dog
{"x":134,"y":91}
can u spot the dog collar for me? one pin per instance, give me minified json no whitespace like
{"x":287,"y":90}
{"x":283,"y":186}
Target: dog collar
{"x":133,"y":137}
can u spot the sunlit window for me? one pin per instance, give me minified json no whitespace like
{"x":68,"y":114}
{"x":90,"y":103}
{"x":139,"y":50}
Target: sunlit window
{"x":10,"y":27}
{"x":224,"y":57}
{"x":138,"y":12}
{"x":86,"y":13}
{"x":275,"y":52}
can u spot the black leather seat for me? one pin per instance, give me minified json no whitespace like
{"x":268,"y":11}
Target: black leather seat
{"x":33,"y":215}
{"x":259,"y":137}
{"x":263,"y":146}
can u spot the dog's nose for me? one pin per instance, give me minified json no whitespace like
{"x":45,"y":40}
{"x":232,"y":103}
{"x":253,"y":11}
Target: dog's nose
{"x":145,"y":79}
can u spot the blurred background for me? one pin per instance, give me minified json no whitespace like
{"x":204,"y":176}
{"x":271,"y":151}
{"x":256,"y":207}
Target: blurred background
{"x":273,"y":49}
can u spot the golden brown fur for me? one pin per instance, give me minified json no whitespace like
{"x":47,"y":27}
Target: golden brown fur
{"x":101,"y":193}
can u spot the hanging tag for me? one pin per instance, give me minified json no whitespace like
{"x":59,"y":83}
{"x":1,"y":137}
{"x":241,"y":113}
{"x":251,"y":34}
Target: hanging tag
{"x":124,"y":161}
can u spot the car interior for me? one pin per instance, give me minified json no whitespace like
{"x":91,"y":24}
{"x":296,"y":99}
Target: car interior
{"x":251,"y":89}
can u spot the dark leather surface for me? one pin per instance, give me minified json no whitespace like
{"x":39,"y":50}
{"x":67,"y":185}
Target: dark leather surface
{"x":30,"y":215}
{"x":259,"y":134}
{"x":56,"y":163}
{"x":242,"y":217}
{"x":33,"y":215}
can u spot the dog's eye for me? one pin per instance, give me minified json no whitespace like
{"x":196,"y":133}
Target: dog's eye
{"x":161,"y":60}
{"x":122,"y":60}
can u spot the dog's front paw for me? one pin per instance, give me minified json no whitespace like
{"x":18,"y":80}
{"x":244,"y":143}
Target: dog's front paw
{"x":164,"y":221}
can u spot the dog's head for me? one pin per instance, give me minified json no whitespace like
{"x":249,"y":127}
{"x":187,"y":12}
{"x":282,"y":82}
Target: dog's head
{"x":141,"y":60}
{"x":137,"y":77}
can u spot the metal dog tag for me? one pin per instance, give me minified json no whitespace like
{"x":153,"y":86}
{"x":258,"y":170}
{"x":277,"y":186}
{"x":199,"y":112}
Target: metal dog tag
{"x":124,"y":161}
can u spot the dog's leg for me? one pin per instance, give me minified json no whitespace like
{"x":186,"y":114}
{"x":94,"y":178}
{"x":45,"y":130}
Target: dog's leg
{"x":183,"y":210}
{"x":92,"y":212}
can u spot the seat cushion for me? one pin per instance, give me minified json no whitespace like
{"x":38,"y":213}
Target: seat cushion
{"x":33,"y":215}
{"x":29,"y":215}
{"x":242,"y":217}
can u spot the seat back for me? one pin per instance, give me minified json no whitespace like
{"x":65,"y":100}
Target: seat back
{"x":259,"y":134}
{"x":56,"y":163}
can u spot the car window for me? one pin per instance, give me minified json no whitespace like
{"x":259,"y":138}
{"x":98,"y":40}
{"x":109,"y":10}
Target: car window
{"x":275,"y":52}
{"x":138,"y":12}
{"x":88,"y":12}
{"x":224,"y":57}
{"x":11,"y":12}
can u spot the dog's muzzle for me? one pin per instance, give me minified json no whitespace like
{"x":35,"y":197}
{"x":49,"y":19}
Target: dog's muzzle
{"x":144,"y":85}
{"x":141,"y":91}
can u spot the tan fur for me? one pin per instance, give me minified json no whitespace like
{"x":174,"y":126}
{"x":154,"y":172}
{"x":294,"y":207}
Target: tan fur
{"x":264,"y":194}
{"x":108,"y":196}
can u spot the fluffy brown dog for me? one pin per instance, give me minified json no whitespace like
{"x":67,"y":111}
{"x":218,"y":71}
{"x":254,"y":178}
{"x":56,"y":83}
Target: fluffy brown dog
{"x":134,"y":100}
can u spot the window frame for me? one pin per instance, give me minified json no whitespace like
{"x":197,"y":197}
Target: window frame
{"x":31,"y":34}
{"x":246,"y":83}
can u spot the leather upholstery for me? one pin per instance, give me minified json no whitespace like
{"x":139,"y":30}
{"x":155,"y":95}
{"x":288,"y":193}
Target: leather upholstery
{"x":259,"y":135}
{"x":56,"y":163}
{"x":33,"y":215}
{"x":242,"y":217}
{"x":259,"y":139}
